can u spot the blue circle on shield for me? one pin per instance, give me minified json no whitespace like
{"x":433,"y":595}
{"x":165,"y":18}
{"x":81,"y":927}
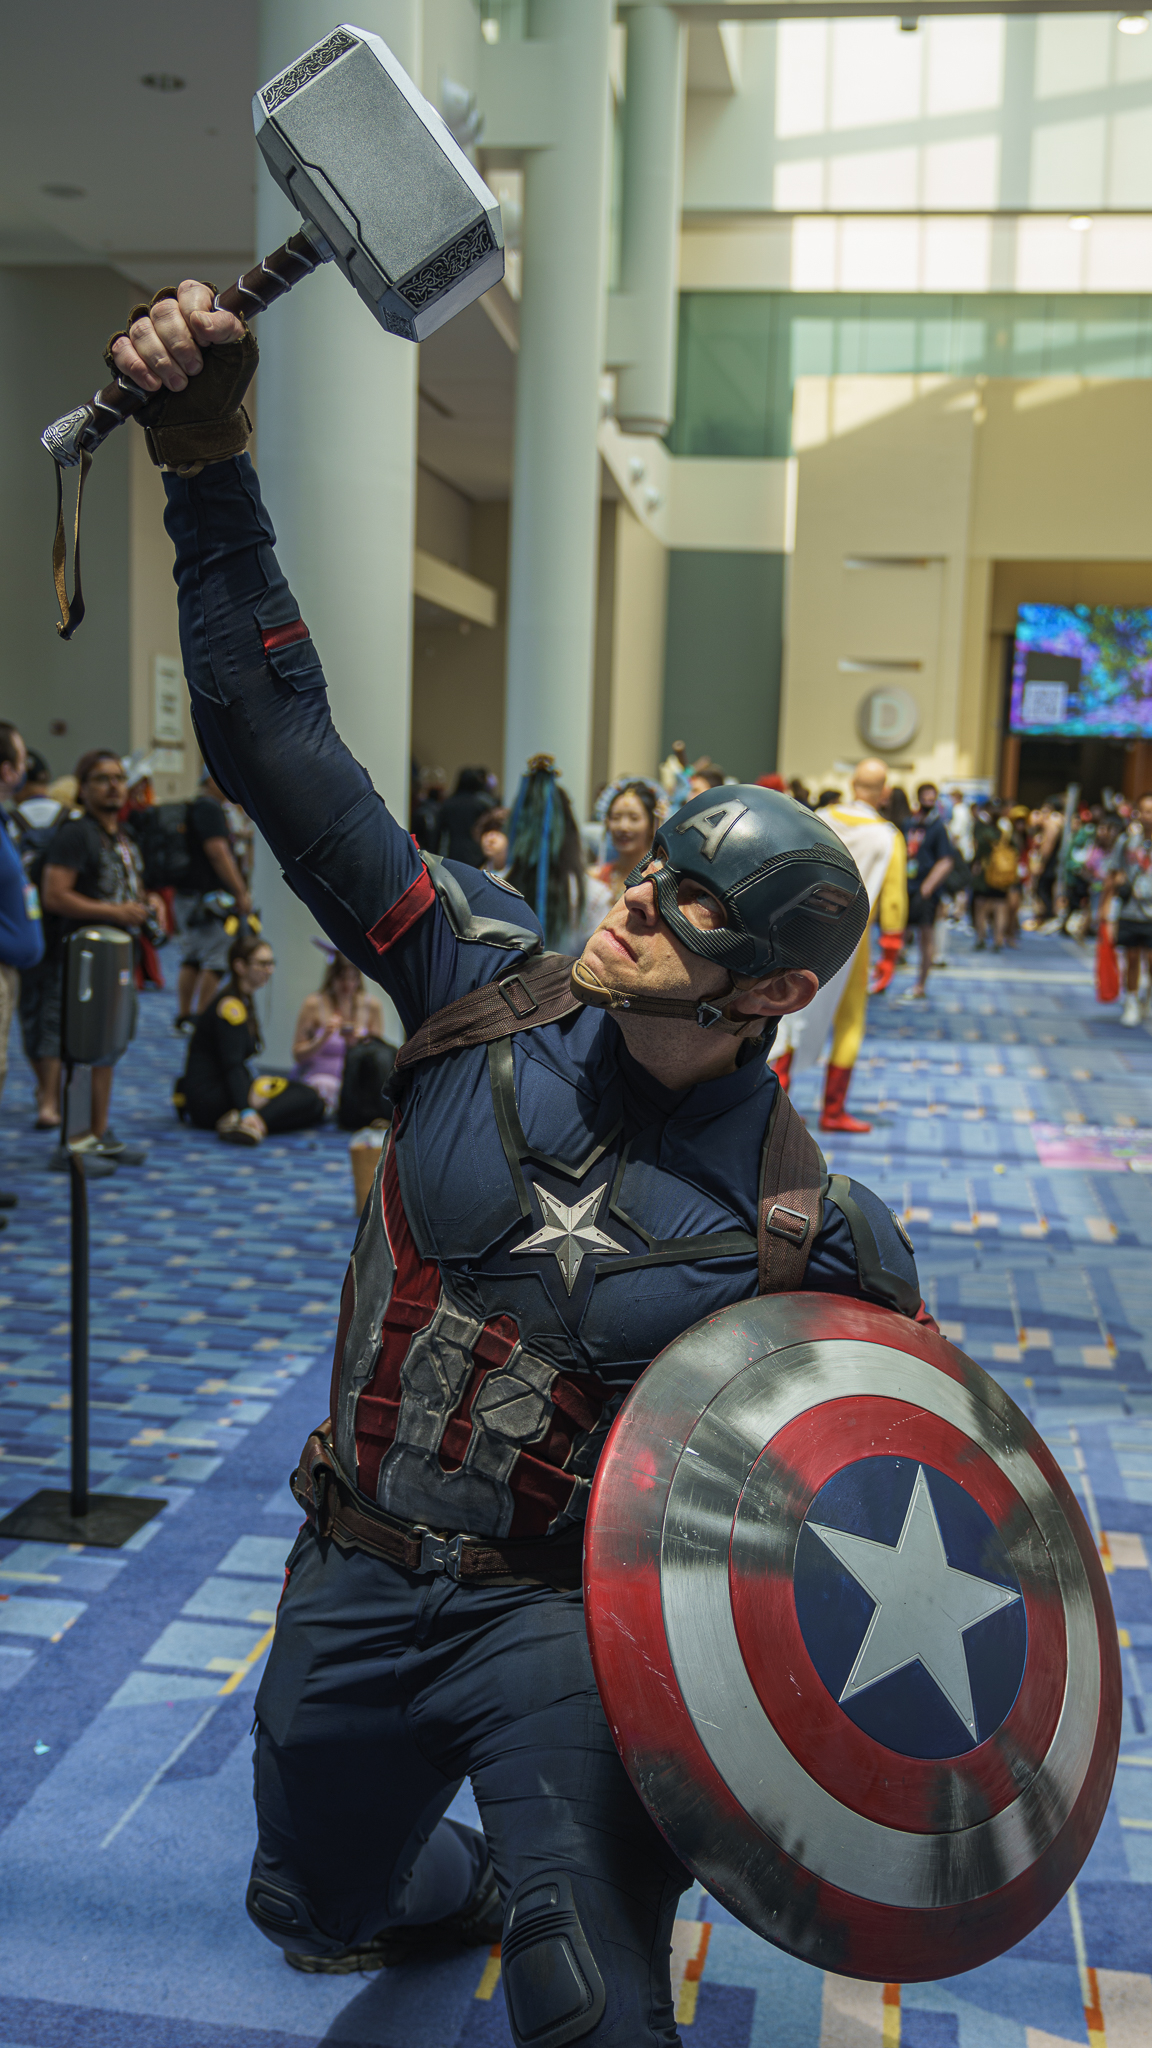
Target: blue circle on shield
{"x":909,"y":1607}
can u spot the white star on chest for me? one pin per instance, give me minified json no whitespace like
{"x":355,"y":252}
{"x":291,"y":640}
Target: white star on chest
{"x":923,"y":1605}
{"x":569,"y":1233}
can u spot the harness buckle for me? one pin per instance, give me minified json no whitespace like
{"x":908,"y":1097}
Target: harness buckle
{"x":440,"y":1554}
{"x":522,"y":1007}
{"x":786,"y":1230}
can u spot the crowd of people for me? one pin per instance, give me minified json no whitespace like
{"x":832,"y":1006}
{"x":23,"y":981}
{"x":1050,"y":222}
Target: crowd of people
{"x":95,"y":847}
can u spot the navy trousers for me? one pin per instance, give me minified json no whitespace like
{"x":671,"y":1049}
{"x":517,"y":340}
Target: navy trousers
{"x":383,"y":1692}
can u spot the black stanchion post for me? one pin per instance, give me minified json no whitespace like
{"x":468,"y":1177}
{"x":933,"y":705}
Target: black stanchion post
{"x":79,"y":1338}
{"x":98,"y":1020}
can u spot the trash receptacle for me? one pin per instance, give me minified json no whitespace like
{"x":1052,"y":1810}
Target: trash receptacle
{"x":364,"y":1152}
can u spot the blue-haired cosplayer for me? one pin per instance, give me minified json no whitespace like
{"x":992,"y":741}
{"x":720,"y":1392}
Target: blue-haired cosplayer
{"x":546,"y":1218}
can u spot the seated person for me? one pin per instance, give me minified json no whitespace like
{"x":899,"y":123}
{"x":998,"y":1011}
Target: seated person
{"x":217,"y":1092}
{"x":337,"y":1017}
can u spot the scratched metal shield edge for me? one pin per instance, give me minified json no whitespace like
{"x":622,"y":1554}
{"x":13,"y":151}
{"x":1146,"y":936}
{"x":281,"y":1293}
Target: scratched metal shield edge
{"x":987,"y":1842}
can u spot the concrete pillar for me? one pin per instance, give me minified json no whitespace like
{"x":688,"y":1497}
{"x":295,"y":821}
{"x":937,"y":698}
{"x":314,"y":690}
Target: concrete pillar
{"x":556,"y":482}
{"x":336,"y":443}
{"x":650,"y":225}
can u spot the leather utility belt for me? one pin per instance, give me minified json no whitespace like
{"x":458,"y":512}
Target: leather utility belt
{"x":336,"y":1508}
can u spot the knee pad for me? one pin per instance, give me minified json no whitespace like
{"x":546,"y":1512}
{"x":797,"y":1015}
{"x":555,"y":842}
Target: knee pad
{"x":552,"y":1986}
{"x":284,"y":1917}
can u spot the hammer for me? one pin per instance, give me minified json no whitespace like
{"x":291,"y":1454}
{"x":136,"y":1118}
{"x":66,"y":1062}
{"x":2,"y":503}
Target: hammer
{"x":385,"y":192}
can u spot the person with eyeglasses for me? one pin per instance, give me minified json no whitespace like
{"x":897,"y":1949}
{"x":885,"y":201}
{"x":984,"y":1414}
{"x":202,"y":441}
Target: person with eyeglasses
{"x":92,"y":875}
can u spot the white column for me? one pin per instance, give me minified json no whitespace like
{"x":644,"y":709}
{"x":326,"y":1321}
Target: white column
{"x":336,"y":445}
{"x":556,"y":478}
{"x":650,"y":226}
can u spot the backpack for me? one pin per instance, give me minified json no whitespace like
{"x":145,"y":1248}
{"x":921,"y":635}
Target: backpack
{"x":161,"y":833}
{"x":33,"y":841}
{"x":1002,"y":867}
{"x":364,"y":1096}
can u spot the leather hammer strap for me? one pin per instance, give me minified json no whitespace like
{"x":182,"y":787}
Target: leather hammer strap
{"x":335,"y":1508}
{"x":537,"y":993}
{"x":206,"y":422}
{"x":793,"y":1175}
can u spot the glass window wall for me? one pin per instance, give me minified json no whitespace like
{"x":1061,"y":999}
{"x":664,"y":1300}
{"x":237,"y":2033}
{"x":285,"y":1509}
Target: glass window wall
{"x":741,"y":352}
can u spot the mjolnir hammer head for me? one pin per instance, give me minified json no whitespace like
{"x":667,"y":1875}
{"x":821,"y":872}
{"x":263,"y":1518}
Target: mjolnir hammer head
{"x":370,"y":164}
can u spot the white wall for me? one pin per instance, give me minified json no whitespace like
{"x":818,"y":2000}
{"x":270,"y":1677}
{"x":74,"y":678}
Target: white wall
{"x":54,"y":322}
{"x":913,"y":494}
{"x":964,"y":114}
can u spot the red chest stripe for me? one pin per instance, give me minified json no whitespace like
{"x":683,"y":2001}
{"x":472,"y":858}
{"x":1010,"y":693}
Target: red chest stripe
{"x":415,"y":1293}
{"x":418,"y":897}
{"x":493,"y":1348}
{"x":540,"y":1487}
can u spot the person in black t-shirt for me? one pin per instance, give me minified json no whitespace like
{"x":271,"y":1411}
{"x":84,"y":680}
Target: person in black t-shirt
{"x":216,"y":1091}
{"x":211,"y":868}
{"x":459,"y":812}
{"x":931,"y":856}
{"x":92,"y":875}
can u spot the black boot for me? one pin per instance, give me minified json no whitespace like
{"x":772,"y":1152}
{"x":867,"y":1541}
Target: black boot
{"x":478,"y":1926}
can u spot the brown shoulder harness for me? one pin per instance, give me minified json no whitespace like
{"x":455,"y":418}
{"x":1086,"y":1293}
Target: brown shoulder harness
{"x":792,"y":1169}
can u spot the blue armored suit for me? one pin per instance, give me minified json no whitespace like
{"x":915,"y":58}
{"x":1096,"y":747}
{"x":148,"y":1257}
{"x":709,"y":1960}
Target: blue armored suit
{"x":547,"y":1218}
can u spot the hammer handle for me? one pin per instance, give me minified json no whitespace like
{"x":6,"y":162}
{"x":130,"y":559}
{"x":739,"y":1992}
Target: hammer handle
{"x":81,"y":432}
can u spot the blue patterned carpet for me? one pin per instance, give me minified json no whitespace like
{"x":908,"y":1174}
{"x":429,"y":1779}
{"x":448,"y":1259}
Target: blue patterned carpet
{"x":126,"y":1678}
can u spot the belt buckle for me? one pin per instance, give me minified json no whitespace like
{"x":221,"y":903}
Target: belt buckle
{"x":782,"y":1229}
{"x":440,"y":1554}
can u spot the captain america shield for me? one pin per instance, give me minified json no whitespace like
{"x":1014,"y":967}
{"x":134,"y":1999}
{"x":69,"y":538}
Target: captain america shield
{"x":852,"y":1636}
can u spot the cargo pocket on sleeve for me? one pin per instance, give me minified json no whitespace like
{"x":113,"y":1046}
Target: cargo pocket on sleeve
{"x":297,"y":664}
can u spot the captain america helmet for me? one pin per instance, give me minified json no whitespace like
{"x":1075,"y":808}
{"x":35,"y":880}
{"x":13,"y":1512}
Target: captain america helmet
{"x":791,"y":891}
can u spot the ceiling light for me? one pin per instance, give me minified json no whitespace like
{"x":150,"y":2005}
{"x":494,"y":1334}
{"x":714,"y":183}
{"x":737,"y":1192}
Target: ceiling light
{"x":1132,"y":24}
{"x":64,"y":191}
{"x":163,"y":81}
{"x":1080,"y":223}
{"x":490,"y":29}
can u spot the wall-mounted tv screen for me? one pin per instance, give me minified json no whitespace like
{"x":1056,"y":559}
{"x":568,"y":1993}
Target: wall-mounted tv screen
{"x":1082,"y":672}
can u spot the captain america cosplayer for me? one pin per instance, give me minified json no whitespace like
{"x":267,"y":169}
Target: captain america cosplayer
{"x":559,"y":1200}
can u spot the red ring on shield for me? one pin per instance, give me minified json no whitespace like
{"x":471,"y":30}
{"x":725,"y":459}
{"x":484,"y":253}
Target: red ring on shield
{"x":882,"y":1784}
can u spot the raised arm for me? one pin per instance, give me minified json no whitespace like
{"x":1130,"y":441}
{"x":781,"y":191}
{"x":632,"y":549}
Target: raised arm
{"x":260,"y":707}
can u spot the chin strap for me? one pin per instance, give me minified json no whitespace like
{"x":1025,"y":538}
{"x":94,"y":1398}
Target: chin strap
{"x":709,"y":1013}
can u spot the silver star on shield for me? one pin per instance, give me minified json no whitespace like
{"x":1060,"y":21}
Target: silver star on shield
{"x":923,"y":1605}
{"x":569,"y":1233}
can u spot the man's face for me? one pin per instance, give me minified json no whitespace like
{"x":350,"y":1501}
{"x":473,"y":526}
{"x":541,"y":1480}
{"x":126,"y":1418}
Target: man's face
{"x":929,"y":796}
{"x":104,"y":789}
{"x":12,"y":772}
{"x":634,"y":949}
{"x":1144,"y":813}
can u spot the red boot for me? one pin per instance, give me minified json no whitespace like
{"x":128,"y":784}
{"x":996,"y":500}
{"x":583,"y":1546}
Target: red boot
{"x":782,"y":1068}
{"x":834,"y":1116}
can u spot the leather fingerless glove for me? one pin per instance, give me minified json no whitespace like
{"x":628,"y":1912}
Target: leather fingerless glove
{"x":207,"y":421}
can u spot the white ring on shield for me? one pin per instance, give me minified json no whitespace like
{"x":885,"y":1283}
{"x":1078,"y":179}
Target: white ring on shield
{"x":890,"y":1866}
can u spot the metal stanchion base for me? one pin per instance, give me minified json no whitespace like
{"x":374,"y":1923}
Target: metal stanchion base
{"x":111,"y":1519}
